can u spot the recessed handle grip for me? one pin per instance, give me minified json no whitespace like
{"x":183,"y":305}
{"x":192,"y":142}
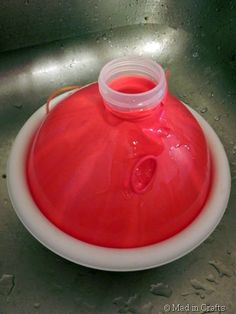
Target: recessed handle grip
{"x":143,"y":173}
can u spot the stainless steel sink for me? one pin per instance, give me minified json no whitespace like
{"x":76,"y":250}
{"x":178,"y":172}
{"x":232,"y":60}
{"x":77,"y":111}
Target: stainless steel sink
{"x":45,"y":45}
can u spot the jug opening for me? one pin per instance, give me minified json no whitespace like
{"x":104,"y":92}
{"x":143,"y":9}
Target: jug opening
{"x":132,"y":83}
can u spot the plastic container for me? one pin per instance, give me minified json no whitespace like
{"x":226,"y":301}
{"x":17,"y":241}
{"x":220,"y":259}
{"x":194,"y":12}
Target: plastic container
{"x":120,"y":167}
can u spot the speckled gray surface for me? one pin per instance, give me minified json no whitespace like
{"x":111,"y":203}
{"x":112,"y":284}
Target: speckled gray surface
{"x":195,"y":41}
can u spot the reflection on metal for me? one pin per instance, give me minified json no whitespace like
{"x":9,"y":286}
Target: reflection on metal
{"x":152,"y":47}
{"x":46,"y":69}
{"x":172,"y":32}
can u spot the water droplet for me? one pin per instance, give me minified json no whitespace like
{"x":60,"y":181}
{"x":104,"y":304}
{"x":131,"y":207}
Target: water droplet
{"x":97,"y":41}
{"x":201,"y":294}
{"x":36,"y":305}
{"x":6,"y":284}
{"x":186,"y":146}
{"x":18,"y":106}
{"x":131,"y":304}
{"x":127,"y":194}
{"x":161,"y":289}
{"x":196,"y":284}
{"x":119,"y":301}
{"x":203,"y":109}
{"x":163,"y":131}
{"x":27,"y":2}
{"x":132,"y":300}
{"x":104,"y":37}
{"x":195,"y":54}
{"x":211,"y":278}
{"x":147,"y":308}
{"x":126,"y":307}
{"x":186,"y":293}
{"x":217,"y":118}
{"x":221,"y":268}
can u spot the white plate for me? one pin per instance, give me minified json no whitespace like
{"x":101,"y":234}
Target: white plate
{"x":107,"y":258}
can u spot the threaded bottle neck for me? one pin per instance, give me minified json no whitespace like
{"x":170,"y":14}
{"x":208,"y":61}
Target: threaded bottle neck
{"x":132,"y":84}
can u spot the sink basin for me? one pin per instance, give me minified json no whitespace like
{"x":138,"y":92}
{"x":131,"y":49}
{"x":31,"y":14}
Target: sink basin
{"x":44,"y":47}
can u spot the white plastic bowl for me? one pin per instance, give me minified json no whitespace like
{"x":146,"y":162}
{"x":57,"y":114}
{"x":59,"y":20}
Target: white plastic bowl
{"x":107,"y":258}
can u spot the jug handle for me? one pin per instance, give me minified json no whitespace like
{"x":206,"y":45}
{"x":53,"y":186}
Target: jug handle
{"x":143,"y":174}
{"x":58,"y":92}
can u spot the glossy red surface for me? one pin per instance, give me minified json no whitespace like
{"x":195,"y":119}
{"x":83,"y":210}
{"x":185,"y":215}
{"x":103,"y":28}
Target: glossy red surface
{"x":119,"y":180}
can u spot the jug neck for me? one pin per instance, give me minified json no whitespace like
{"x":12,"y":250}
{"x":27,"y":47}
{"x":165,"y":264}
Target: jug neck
{"x":132,"y":86}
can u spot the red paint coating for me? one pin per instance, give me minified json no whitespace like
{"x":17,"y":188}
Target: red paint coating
{"x":81,"y":165}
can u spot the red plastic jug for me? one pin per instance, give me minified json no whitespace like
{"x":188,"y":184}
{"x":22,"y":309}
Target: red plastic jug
{"x":120,"y":163}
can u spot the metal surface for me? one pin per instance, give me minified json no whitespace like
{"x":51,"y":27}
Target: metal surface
{"x":195,"y":41}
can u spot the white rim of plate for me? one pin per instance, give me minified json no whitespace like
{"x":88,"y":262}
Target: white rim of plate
{"x":108,"y":258}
